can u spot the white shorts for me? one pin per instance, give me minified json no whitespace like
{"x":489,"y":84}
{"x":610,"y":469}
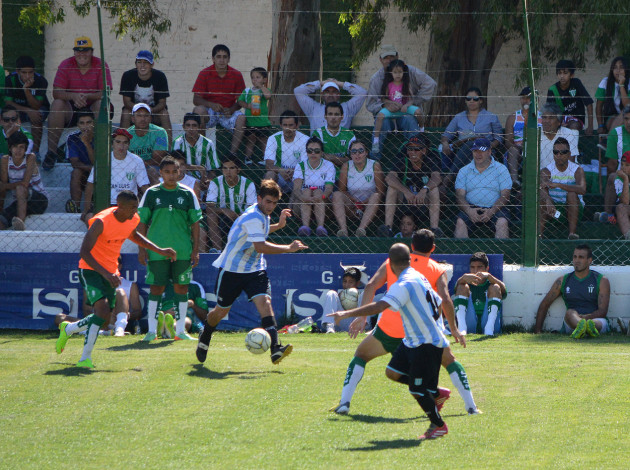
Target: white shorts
{"x":227,"y":122}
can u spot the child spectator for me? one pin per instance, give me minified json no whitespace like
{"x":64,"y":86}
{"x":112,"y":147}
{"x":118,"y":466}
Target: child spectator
{"x":612,"y":95}
{"x":255,"y":100}
{"x":351,"y":279}
{"x":407,"y":226}
{"x":569,"y":93}
{"x":623,"y":196}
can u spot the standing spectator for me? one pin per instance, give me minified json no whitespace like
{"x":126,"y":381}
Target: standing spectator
{"x":216,"y":91}
{"x":26,"y":90}
{"x":336,"y":139}
{"x":80,"y":154}
{"x":612,"y":95}
{"x":255,"y":101}
{"x":145,"y":85}
{"x":198,"y":149}
{"x":572,"y":97}
{"x":421,"y":87}
{"x":150,"y":142}
{"x":361,"y":187}
{"x":330,"y":93}
{"x":552,"y":130}
{"x":622,"y":209}
{"x":11,"y":124}
{"x":78,"y":84}
{"x":483,"y":189}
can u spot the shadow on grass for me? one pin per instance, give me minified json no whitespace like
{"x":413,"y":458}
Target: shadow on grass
{"x":199,"y":370}
{"x":481,"y":338}
{"x":370,"y":419}
{"x":385,"y":445}
{"x":74,"y":371}
{"x":140,"y":345}
{"x":608,"y":338}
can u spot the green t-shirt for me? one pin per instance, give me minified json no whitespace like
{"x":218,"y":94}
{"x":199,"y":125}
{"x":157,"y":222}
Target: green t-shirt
{"x":613,"y":149}
{"x":256,"y":121}
{"x":155,"y":139}
{"x":479,"y":297}
{"x":4,"y":146}
{"x":170,"y":214}
{"x":335,"y":144}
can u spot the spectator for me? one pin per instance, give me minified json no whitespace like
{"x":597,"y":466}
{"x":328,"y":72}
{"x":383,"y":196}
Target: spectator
{"x":198,"y":149}
{"x":514,"y":132}
{"x":421,"y":87}
{"x":478,"y":298}
{"x":572,"y":97}
{"x":78,"y":84}
{"x":612,"y":95}
{"x":330,"y":93}
{"x":228,"y":196}
{"x":313,"y":181}
{"x":551,"y":131}
{"x":414,"y":181}
{"x":351,"y":280}
{"x":586,"y":294}
{"x":407,"y":226}
{"x":128,"y":172}
{"x":19,"y":173}
{"x":146,"y":85}
{"x":26,"y":90}
{"x":483,"y":189}
{"x":361,"y":187}
{"x":150,"y":142}
{"x":255,"y":101}
{"x":335,"y":138}
{"x":80,"y":154}
{"x":468,"y":126}
{"x":562,"y":185}
{"x":623,"y":196}
{"x":215,"y":93}
{"x":12,"y":124}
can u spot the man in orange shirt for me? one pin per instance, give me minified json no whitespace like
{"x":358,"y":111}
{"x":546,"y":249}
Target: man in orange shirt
{"x":98,"y":268}
{"x":389,"y":332}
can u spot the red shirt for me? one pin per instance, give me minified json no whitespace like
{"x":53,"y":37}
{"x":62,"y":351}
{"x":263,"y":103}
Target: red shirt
{"x":223,"y":90}
{"x":69,"y":78}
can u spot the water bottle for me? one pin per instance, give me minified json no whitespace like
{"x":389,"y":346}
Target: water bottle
{"x":256,"y":103}
{"x":305,"y":324}
{"x":292,"y":329}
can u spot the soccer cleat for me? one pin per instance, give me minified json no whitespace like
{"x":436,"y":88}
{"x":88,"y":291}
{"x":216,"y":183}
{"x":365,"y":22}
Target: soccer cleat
{"x":474,"y":411}
{"x":63,"y":337}
{"x":149,"y":337}
{"x":119,"y":331}
{"x":434,"y":432}
{"x":87,"y":363}
{"x":280,"y":352}
{"x":330,"y":328}
{"x":160,"y":323}
{"x":169,"y":322}
{"x":591,"y":329}
{"x":184,"y":337}
{"x":443,"y":395}
{"x":341,"y":409}
{"x":580,"y":329}
{"x":203,"y":345}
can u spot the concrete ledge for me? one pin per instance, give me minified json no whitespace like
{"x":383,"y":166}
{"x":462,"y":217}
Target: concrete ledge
{"x":30,"y":241}
{"x":56,"y":222}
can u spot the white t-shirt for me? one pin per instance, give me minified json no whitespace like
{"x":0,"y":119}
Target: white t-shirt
{"x":315,"y":177}
{"x":128,"y":173}
{"x":286,"y":154}
{"x":361,"y":184}
{"x":546,"y":145}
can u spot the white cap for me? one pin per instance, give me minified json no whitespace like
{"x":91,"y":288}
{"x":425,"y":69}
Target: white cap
{"x":327,"y":85}
{"x":140,"y":106}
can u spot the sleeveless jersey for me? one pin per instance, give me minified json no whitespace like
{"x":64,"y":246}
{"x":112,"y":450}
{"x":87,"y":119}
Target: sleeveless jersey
{"x":16,"y":173}
{"x":361,"y":184}
{"x":563,"y":177}
{"x":581,"y":294}
{"x":519,"y":125}
{"x":108,"y":244}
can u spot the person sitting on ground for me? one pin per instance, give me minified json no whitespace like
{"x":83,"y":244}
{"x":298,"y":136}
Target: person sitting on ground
{"x":255,"y":101}
{"x":351,"y":280}
{"x":195,"y":315}
{"x":407,"y":226}
{"x":622,"y":209}
{"x":11,"y":123}
{"x":19,"y":173}
{"x":552,"y":129}
{"x":612,"y":95}
{"x":335,"y":138}
{"x":413,"y":184}
{"x":313,"y":181}
{"x":361,"y":188}
{"x":562,"y":186}
{"x":478,"y":298}
{"x":26,"y":90}
{"x":586,"y":295}
{"x":150,"y":142}
{"x":572,"y":97}
{"x":80,"y":154}
{"x":483,"y":190}
{"x":199,"y":150}
{"x":144,"y":84}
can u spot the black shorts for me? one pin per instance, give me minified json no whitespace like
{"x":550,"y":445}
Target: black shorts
{"x":421,"y":363}
{"x":229,"y":286}
{"x":502,"y":213}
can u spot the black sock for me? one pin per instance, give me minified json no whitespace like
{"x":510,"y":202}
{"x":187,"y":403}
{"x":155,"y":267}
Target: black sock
{"x":207,"y":333}
{"x":427,"y":403}
{"x":269,"y":324}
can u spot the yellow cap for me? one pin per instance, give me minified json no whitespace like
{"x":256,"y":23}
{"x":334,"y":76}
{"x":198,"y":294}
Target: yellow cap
{"x":82,"y":43}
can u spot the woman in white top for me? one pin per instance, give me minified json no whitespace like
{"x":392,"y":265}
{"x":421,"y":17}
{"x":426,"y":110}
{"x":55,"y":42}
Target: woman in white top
{"x":361,"y":187}
{"x":19,"y":172}
{"x":612,"y":95}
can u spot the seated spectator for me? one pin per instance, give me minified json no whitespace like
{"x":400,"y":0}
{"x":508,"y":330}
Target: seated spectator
{"x":12,"y":124}
{"x":562,"y":185}
{"x":195,"y":314}
{"x":127,"y":172}
{"x":478,"y":298}
{"x":78,"y":84}
{"x":228,"y":196}
{"x":19,"y":173}
{"x":552,"y":130}
{"x":313,"y":181}
{"x":483,"y":190}
{"x":413,"y":182}
{"x":80,"y":154}
{"x":407,"y":226}
{"x":199,"y":150}
{"x":351,"y":280}
{"x":612,"y":95}
{"x":361,"y":187}
{"x":330,"y":93}
{"x":215,"y":93}
{"x":572,"y":97}
{"x":468,"y":126}
{"x":144,"y":84}
{"x":26,"y":91}
{"x":255,"y":101}
{"x":335,"y":138}
{"x":150,"y":142}
{"x":622,"y":211}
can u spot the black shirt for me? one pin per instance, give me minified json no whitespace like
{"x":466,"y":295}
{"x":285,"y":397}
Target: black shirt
{"x":14,"y":89}
{"x":144,"y":91}
{"x":414,"y":179}
{"x":574,"y":99}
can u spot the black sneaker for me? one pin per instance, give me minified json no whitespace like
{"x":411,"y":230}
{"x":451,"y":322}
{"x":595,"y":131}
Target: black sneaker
{"x":279,"y":353}
{"x":49,"y":160}
{"x":385,"y":231}
{"x":203,"y":345}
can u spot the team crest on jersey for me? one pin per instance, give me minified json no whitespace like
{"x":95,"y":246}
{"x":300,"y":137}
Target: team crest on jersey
{"x":343,"y":142}
{"x":180,"y":200}
{"x":568,"y":290}
{"x":572,"y":92}
{"x":157,"y":201}
{"x":368,"y":178}
{"x":591,"y":288}
{"x":130,"y":175}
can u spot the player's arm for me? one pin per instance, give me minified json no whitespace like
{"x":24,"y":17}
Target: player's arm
{"x":363,"y":311}
{"x":603,"y":299}
{"x":448,"y":308}
{"x":86,"y":253}
{"x":281,"y":222}
{"x":552,"y":295}
{"x":145,"y":243}
{"x":194,"y":256}
{"x":374,"y":284}
{"x":268,"y":248}
{"x":497,"y":282}
{"x":142,"y":253}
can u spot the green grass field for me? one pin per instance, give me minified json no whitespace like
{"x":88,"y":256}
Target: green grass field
{"x":548,"y":402}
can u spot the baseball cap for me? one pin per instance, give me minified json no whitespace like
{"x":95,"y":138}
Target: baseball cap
{"x":82,"y":43}
{"x":138,"y":106}
{"x":626,"y":156}
{"x":122,"y":132}
{"x":525,"y":91}
{"x":145,"y":55}
{"x":328,"y":85}
{"x":419,"y":139}
{"x":482,"y":144}
{"x":386,"y":50}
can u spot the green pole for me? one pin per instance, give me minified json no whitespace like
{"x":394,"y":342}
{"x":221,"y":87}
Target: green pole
{"x":102,"y":164}
{"x":531,"y":161}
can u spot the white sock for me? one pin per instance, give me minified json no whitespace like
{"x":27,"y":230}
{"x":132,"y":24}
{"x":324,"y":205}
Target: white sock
{"x":461,"y":316}
{"x":121,"y":320}
{"x":152,"y":316}
{"x":77,"y":326}
{"x":90,"y":339}
{"x":353,"y":377}
{"x":460,"y":381}
{"x":180,"y":324}
{"x":492,"y":318}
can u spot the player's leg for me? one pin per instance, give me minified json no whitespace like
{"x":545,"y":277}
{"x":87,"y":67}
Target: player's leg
{"x":158,"y":274}
{"x":492,"y":312}
{"x":121,"y":313}
{"x":181,"y":274}
{"x":576,"y":323}
{"x":460,"y":302}
{"x":458,"y":376}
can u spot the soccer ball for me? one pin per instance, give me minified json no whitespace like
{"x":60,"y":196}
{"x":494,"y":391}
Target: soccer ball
{"x":257,"y":341}
{"x":349,"y":298}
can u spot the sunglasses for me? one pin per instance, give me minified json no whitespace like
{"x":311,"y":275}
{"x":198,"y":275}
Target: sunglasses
{"x":313,"y":150}
{"x":10,"y":119}
{"x":355,"y":151}
{"x":473,"y":98}
{"x":415,"y":149}
{"x":561,"y":152}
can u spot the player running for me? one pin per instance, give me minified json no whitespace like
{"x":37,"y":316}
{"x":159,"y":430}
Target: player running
{"x":242,"y":267}
{"x":172,"y":212}
{"x":98,"y":268}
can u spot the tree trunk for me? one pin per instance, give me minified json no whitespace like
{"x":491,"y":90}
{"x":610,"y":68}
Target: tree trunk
{"x":295,"y":55}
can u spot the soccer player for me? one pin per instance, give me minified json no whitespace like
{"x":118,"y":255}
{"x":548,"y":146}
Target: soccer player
{"x":416,"y":360}
{"x":98,"y":268}
{"x":242,"y":267}
{"x":389,"y":331}
{"x":172,"y":212}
